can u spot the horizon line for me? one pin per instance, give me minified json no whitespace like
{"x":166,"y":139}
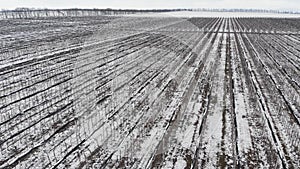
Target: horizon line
{"x":167,"y":9}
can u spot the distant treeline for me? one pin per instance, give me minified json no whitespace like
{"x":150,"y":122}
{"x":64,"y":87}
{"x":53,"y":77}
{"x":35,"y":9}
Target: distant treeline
{"x":20,"y":13}
{"x":38,"y":13}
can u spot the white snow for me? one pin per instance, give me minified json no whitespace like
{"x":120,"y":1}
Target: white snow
{"x":180,"y":163}
{"x":230,"y":14}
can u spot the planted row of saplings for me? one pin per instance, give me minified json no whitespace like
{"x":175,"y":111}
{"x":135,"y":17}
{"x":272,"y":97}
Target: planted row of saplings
{"x":137,"y":90}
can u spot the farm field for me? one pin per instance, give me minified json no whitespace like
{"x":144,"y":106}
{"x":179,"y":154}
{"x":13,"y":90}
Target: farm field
{"x":149,"y":92}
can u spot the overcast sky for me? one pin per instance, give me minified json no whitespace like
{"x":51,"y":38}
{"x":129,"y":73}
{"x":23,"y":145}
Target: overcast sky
{"x":153,"y":4}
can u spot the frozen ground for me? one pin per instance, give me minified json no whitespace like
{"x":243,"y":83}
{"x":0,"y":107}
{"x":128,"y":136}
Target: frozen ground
{"x":149,"y":92}
{"x":190,"y":14}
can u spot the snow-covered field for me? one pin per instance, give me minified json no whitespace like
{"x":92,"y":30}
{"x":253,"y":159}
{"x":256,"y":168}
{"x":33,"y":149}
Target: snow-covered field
{"x":189,"y":14}
{"x":150,"y":92}
{"x":231,"y":14}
